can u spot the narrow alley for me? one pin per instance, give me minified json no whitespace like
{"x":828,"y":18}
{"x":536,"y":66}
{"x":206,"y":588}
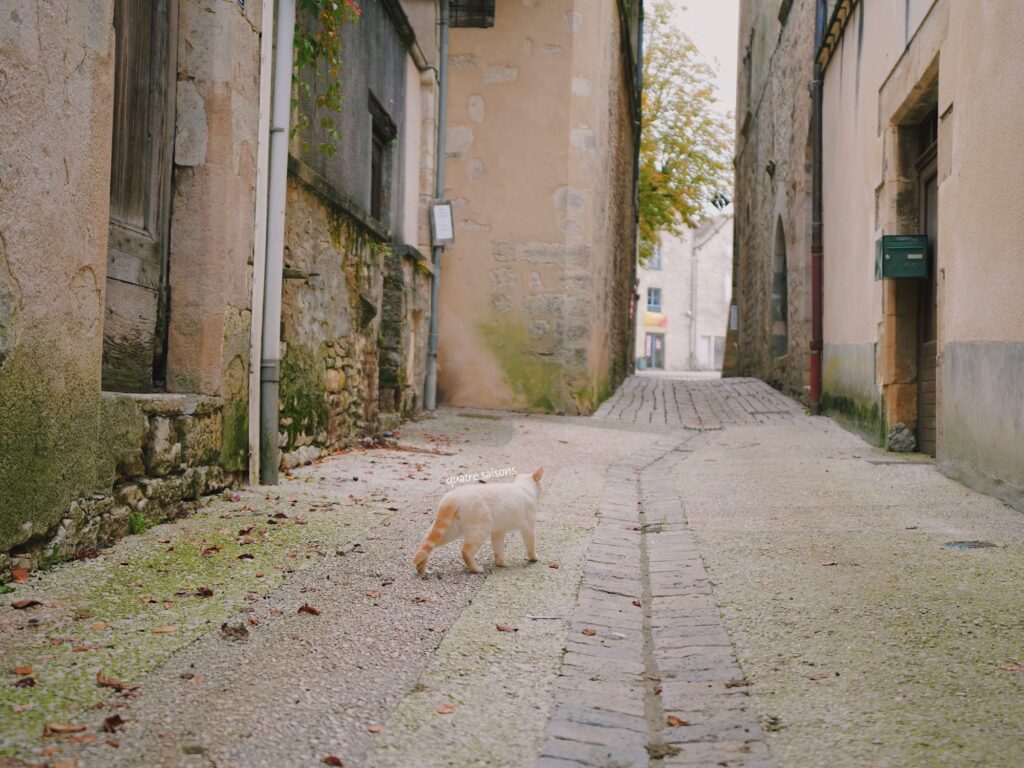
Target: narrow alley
{"x":723,"y":580}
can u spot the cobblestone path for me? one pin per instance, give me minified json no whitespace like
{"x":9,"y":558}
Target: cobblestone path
{"x":696,"y":403}
{"x":649,"y":675}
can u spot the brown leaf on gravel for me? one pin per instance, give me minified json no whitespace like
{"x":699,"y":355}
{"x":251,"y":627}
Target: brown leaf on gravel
{"x":104,"y":681}
{"x":675,"y":722}
{"x":113,"y":723}
{"x":831,"y":562}
{"x":420,"y":599}
{"x":657,"y":690}
{"x":85,"y":738}
{"x":589,"y":632}
{"x":24,"y":669}
{"x":435,"y":629}
{"x":1011,"y":666}
{"x":375,"y":728}
{"x":333,"y":760}
{"x":445,"y":709}
{"x":204,"y":592}
{"x":113,"y":742}
{"x":25,"y":682}
{"x":211,"y":550}
{"x":506,"y":628}
{"x":59,"y":729}
{"x":553,"y":566}
{"x":83,"y":648}
{"x":374,"y":593}
{"x":246,"y":556}
{"x":99,"y":625}
{"x":25,"y":602}
{"x":65,"y":762}
{"x":20,"y":575}
{"x":636,"y":603}
{"x":307,"y":608}
{"x":164,"y":630}
{"x":245,"y":531}
{"x":280,"y":516}
{"x":817,"y":677}
{"x":737,"y":683}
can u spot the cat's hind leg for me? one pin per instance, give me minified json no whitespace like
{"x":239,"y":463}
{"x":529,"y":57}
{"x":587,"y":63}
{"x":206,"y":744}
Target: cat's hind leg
{"x":498,"y":547}
{"x":530,"y":540}
{"x":470,"y":547}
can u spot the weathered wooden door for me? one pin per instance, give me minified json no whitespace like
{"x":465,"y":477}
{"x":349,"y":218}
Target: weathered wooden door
{"x":927,"y":316}
{"x":135,"y":323}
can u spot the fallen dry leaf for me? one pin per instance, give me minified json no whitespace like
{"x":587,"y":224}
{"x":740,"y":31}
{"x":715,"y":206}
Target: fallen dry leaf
{"x":99,"y":625}
{"x":1011,"y":666}
{"x":204,"y":592}
{"x":375,"y":728}
{"x":307,"y":608}
{"x":25,"y":682}
{"x":737,"y":683}
{"x":65,"y":762}
{"x":105,"y":681}
{"x":445,"y":709}
{"x":211,"y":550}
{"x":636,"y":603}
{"x":113,"y":742}
{"x":675,"y":722}
{"x":554,"y":566}
{"x":245,"y":556}
{"x":506,"y":628}
{"x":164,"y":630}
{"x":817,"y":677}
{"x":20,"y":575}
{"x":333,"y":760}
{"x":50,"y":751}
{"x":24,"y":669}
{"x":374,"y":593}
{"x":420,"y":599}
{"x":657,"y":690}
{"x":589,"y":632}
{"x":25,"y":602}
{"x":831,"y":562}
{"x":113,"y":723}
{"x":59,"y":729}
{"x":83,"y":648}
{"x":85,"y":738}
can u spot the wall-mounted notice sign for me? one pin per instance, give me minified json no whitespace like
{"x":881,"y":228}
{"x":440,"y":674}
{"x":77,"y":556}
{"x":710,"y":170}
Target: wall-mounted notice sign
{"x":442,"y":229}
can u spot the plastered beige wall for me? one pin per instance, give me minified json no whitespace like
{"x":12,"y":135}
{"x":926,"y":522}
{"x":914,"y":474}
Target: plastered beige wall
{"x":535,"y":169}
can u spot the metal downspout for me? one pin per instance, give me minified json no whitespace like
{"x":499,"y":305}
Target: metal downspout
{"x":817,"y":245}
{"x":430,"y":385}
{"x":259,"y":257}
{"x":270,"y":359}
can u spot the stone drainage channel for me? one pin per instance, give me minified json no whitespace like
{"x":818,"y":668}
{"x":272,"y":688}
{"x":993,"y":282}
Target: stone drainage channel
{"x":649,"y":677}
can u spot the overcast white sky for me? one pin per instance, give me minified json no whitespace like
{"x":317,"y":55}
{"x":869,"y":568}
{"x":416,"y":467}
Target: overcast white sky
{"x":713,"y":26}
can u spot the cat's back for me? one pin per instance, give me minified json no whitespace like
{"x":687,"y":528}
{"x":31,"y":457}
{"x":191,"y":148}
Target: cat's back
{"x":490,"y":493}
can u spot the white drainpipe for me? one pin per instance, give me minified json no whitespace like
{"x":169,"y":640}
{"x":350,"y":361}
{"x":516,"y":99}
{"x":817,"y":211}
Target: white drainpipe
{"x":259,"y":255}
{"x":270,"y":362}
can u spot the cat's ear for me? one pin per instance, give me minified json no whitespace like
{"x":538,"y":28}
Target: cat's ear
{"x":538,"y":473}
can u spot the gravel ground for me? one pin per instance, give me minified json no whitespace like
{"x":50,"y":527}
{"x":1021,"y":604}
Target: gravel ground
{"x":367,"y":674}
{"x":867,"y":640}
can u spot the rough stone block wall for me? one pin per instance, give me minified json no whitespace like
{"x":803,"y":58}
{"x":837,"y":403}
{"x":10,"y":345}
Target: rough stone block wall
{"x":405,"y":312}
{"x":773,"y":184}
{"x":161,"y":455}
{"x":331,"y":323}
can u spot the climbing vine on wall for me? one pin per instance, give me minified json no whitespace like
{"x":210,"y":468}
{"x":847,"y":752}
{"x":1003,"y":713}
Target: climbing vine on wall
{"x":318,"y":50}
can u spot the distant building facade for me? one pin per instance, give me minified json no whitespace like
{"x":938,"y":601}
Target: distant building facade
{"x":684,"y":291}
{"x":924,"y":346}
{"x":542,"y":139}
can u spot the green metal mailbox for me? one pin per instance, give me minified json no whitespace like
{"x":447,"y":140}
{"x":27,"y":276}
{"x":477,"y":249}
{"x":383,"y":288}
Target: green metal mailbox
{"x":901,"y":256}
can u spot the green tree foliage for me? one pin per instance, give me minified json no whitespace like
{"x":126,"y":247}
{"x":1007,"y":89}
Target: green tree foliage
{"x":684,"y":147}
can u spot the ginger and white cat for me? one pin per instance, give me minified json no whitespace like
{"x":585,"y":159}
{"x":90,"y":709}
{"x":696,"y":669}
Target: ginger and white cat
{"x":474,"y":512}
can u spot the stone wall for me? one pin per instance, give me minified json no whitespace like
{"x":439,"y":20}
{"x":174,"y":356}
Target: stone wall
{"x":77,"y":464}
{"x":535,"y":291}
{"x":773,"y":185}
{"x":159,"y":456}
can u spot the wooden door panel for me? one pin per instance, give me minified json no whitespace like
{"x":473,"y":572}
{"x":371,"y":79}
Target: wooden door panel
{"x":140,"y":179}
{"x":129,"y":341}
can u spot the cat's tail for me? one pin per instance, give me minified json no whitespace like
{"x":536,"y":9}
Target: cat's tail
{"x":435,"y":537}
